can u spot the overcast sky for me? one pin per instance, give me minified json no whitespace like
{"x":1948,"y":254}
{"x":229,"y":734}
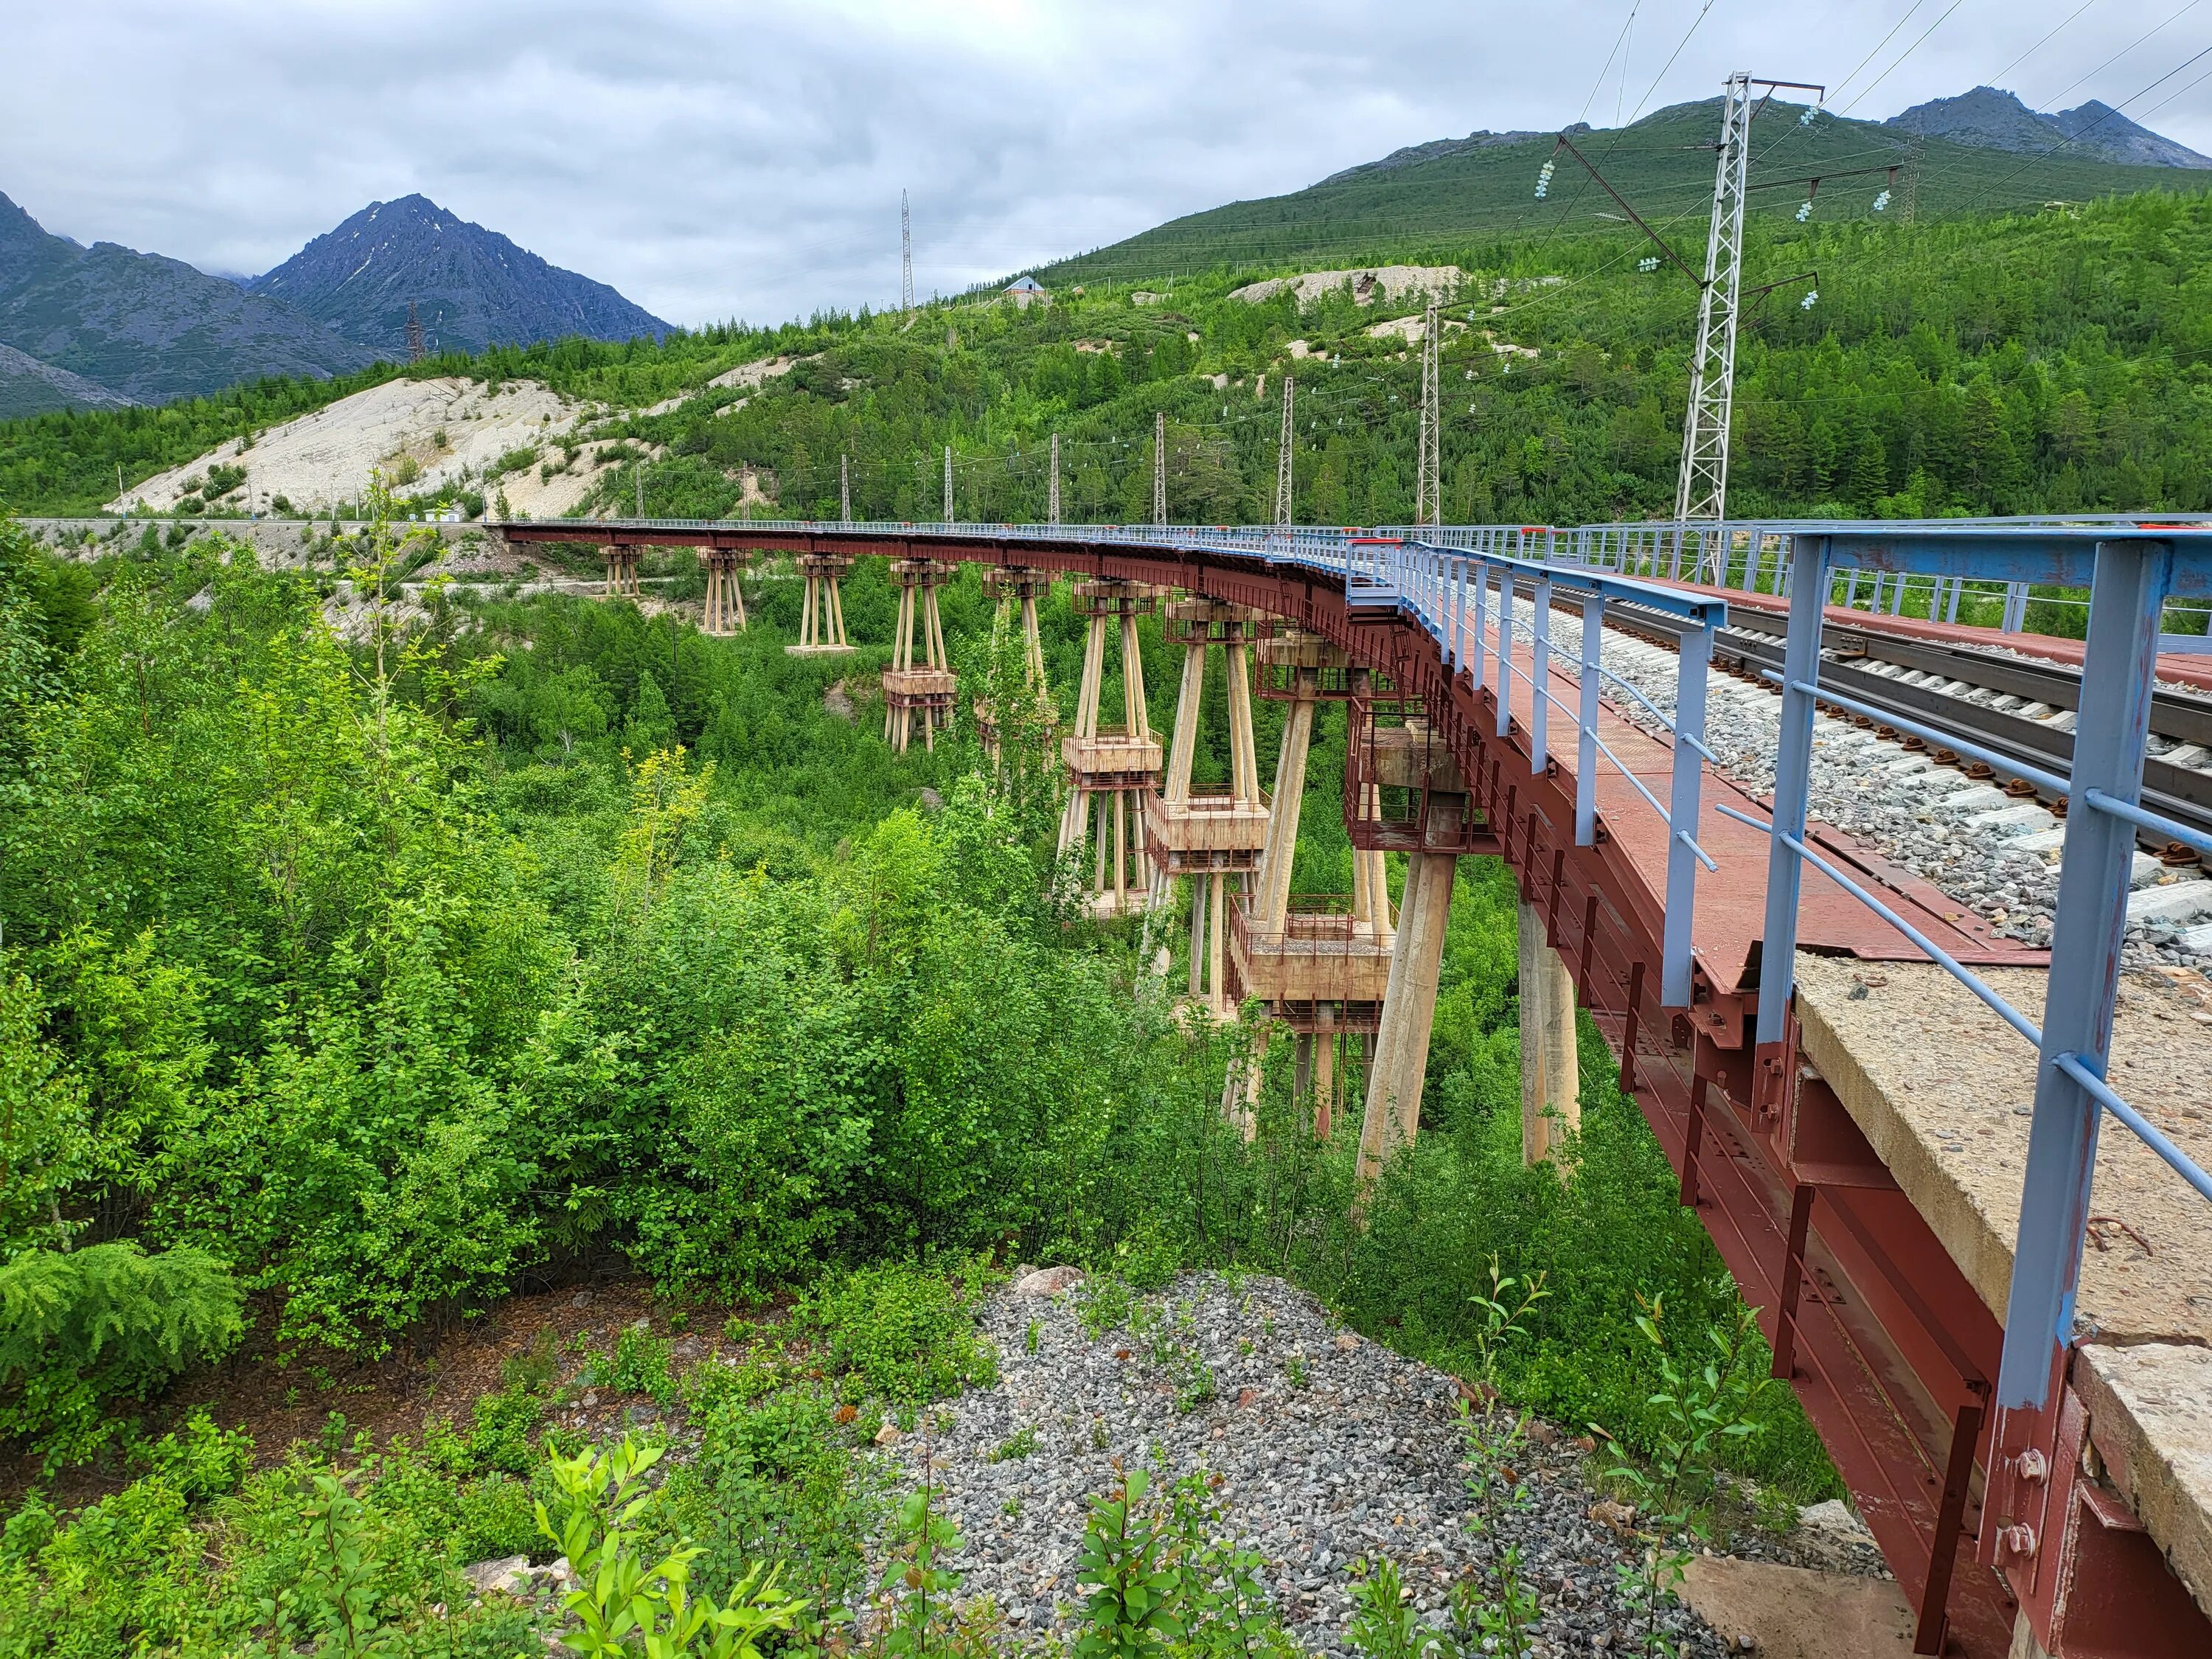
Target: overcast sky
{"x":744,"y":160}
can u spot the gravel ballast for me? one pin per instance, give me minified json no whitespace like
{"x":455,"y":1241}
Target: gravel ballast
{"x":1366,"y":1457}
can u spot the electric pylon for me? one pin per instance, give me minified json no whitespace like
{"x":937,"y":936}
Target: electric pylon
{"x":906,"y":260}
{"x":1428,"y":487}
{"x":1701,"y":488}
{"x":845,"y":487}
{"x":415,"y":351}
{"x":948,"y":484}
{"x":1160,"y":467}
{"x":1052,"y":500}
{"x":1283,"y":459}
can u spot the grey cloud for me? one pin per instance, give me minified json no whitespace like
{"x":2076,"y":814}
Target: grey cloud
{"x":720,"y":161}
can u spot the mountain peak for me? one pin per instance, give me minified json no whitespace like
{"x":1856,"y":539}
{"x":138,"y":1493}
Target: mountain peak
{"x":1994,"y":118}
{"x":470,"y":287}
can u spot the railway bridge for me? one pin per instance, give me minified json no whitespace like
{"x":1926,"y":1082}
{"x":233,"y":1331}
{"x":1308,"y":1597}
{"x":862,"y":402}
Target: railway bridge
{"x":1886,"y":1114}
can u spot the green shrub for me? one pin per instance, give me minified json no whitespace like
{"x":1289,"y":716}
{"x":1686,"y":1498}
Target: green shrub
{"x":201,"y":1460}
{"x":900,"y":1333}
{"x":639,"y":1365}
{"x":505,"y":1429}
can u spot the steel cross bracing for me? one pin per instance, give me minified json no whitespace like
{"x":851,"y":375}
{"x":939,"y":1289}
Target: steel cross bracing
{"x":1701,"y":485}
{"x":1913,"y":1386}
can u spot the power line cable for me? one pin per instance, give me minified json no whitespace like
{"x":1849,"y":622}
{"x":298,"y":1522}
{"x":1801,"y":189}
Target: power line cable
{"x":1864,"y":91}
{"x":1600,"y":81}
{"x":1669,"y":64}
{"x":2125,"y":50}
{"x":2041,"y":44}
{"x":1877,"y":47}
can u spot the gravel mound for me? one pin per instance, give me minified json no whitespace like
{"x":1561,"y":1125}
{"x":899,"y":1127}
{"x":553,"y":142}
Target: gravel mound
{"x":1329,"y":1447}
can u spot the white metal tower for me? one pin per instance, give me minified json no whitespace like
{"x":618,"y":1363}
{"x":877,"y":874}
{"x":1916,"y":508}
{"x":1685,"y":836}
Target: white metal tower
{"x":905,"y":259}
{"x":1701,"y":488}
{"x":1160,"y":467}
{"x":948,"y":484}
{"x":845,"y":487}
{"x":1052,"y":500}
{"x":1428,"y":483}
{"x":1282,"y":458}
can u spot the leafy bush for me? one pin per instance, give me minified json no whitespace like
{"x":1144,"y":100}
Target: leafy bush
{"x":639,"y":1365}
{"x":505,"y":1427}
{"x":200,"y":1459}
{"x":900,"y":1332}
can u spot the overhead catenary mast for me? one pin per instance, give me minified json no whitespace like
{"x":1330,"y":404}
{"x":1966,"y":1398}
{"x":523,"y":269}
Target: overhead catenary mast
{"x":1701,"y":486}
{"x":1282,"y":458}
{"x":1428,"y":487}
{"x":948,"y":484}
{"x":1052,"y":497}
{"x":845,"y":487}
{"x":906,"y":260}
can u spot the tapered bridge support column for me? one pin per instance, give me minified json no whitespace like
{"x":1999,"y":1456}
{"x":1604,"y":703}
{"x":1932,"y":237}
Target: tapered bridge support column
{"x":822,"y":614}
{"x":1409,"y":1012}
{"x":922,"y":685}
{"x":1111,"y":767}
{"x":1551,"y":1102}
{"x":724,"y":612}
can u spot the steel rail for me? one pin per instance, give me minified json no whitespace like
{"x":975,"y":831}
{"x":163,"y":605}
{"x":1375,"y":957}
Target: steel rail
{"x":2010,"y":744}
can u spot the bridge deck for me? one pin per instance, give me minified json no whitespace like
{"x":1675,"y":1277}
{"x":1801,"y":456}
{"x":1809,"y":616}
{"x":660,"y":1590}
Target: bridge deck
{"x":1939,"y":1085}
{"x":1731,"y":903}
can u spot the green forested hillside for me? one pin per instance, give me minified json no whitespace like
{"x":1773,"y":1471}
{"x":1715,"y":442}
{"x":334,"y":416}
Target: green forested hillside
{"x":2053,"y":360}
{"x":1441,"y":197}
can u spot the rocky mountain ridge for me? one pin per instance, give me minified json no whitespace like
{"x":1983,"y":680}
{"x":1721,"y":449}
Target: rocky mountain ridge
{"x":1990,"y":117}
{"x":143,"y":328}
{"x":470,"y":287}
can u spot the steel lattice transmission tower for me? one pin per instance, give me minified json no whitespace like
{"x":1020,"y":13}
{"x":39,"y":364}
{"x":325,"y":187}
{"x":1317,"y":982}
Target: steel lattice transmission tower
{"x":906,"y":260}
{"x":1428,"y":483}
{"x":948,"y":484}
{"x":845,"y":487}
{"x":1701,"y":487}
{"x":1283,"y":458}
{"x":1052,"y":498}
{"x":1160,"y":467}
{"x":415,"y":350}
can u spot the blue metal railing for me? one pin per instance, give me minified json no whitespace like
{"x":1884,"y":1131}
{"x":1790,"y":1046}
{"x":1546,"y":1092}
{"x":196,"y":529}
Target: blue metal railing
{"x":1461,"y":584}
{"x":2131,"y":571}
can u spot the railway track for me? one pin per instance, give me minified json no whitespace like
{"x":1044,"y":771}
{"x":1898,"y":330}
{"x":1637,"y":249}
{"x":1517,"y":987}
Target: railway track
{"x":2015,"y":710}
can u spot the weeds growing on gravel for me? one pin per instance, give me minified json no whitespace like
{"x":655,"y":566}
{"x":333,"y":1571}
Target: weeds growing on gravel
{"x":1161,"y":1579}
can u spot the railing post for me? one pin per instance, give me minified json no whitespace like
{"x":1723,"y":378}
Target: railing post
{"x":2088,"y":924}
{"x":1539,"y":674}
{"x":1458,"y":614}
{"x":1481,"y":618}
{"x":1683,"y":800}
{"x":1504,"y":650}
{"x":1586,"y":723}
{"x":2015,"y":607}
{"x":1793,"y":770}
